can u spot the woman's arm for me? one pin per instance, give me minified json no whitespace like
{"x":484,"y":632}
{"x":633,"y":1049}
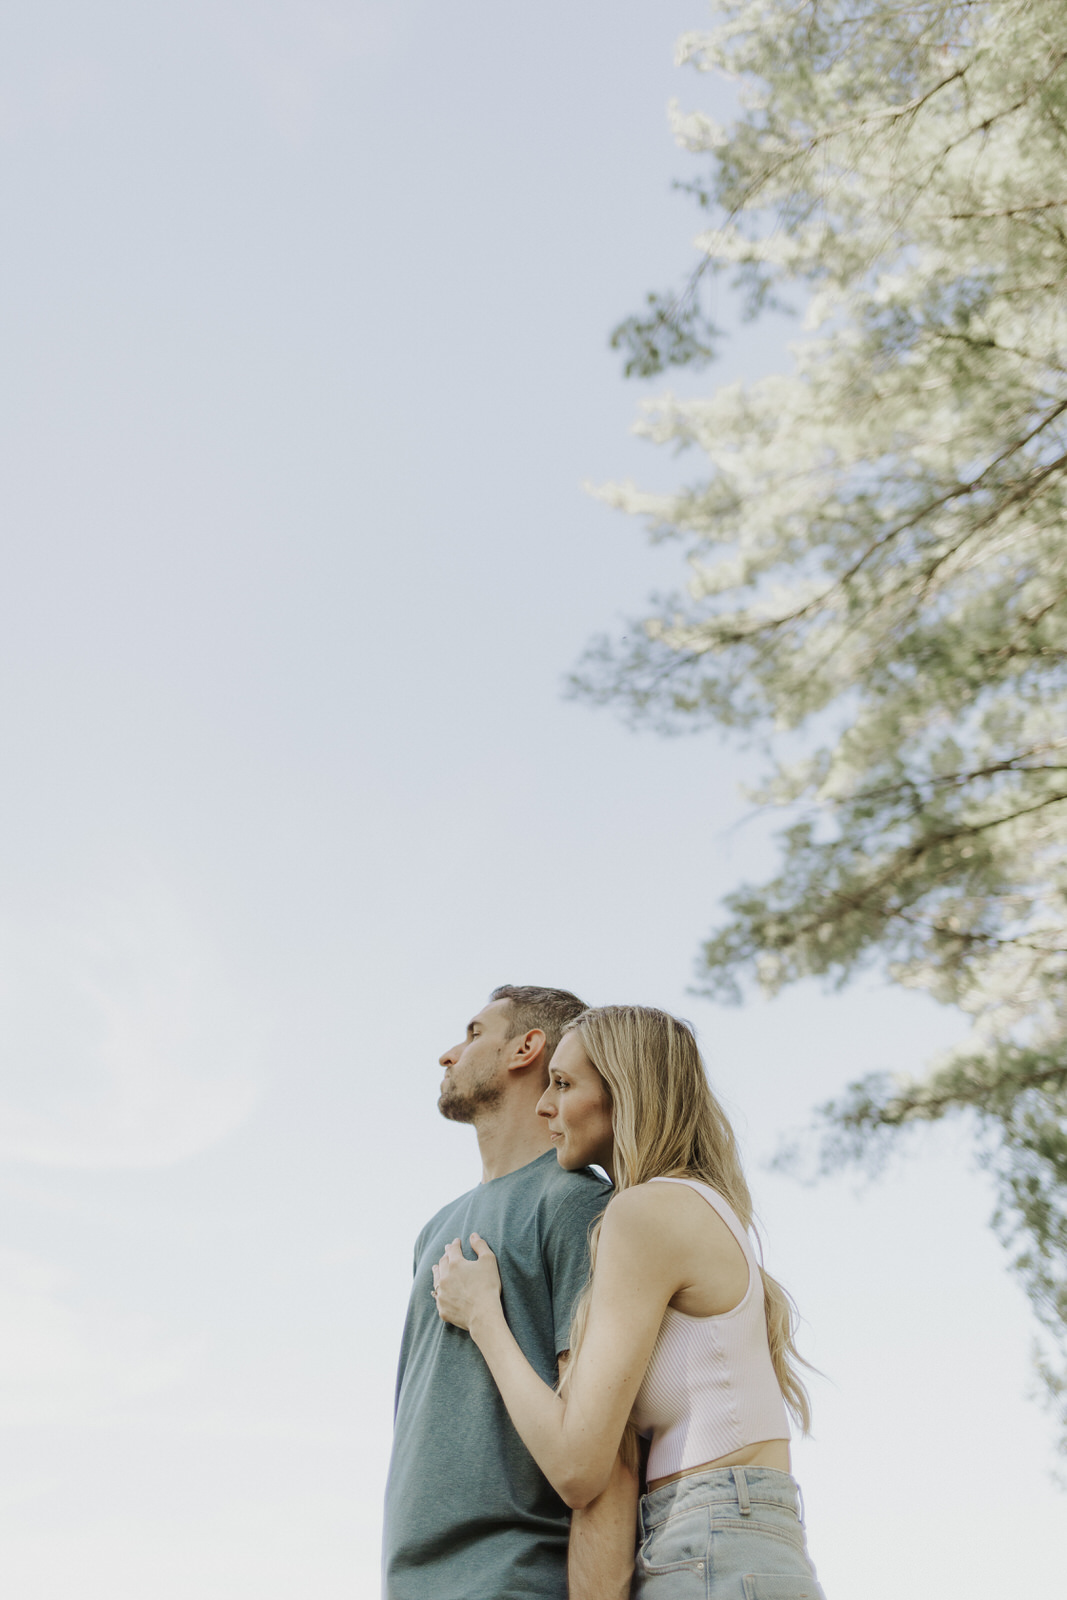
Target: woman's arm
{"x":603,"y":1538}
{"x":641,"y":1264}
{"x":603,"y":1535}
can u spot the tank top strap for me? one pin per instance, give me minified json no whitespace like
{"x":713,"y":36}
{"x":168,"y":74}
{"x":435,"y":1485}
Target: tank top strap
{"x":724,"y":1209}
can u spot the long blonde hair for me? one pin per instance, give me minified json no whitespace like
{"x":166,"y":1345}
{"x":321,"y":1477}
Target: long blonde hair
{"x":667,"y":1123}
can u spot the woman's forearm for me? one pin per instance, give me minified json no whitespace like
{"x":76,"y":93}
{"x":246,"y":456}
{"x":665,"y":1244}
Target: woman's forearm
{"x":600,"y":1553}
{"x":574,"y":1461}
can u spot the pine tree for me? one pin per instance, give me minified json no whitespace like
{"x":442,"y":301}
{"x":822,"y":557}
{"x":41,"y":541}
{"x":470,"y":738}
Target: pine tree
{"x":877,"y":546}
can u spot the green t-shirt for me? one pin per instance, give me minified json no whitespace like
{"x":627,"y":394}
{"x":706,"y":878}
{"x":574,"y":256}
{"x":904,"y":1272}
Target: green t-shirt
{"x":468,"y":1514}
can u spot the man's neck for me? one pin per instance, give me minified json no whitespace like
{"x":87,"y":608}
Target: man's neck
{"x":510,"y":1141}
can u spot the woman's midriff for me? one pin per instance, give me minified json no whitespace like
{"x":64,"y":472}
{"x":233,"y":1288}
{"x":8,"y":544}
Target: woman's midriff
{"x":765,"y":1453}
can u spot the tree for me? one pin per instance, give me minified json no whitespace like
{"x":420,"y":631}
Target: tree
{"x":877,"y":547}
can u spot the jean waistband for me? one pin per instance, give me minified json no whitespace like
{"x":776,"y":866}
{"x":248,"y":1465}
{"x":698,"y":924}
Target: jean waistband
{"x":739,"y":1486}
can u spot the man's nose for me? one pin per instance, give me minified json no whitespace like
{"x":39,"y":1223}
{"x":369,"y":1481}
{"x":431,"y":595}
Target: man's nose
{"x":449,"y":1057}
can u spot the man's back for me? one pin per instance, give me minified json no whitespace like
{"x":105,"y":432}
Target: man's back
{"x":469,"y":1516}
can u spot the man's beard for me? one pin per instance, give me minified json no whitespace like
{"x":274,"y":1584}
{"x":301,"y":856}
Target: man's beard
{"x":481,"y":1096}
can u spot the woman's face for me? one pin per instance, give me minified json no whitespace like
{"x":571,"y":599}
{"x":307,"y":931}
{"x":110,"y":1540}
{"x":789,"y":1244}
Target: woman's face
{"x":577,"y":1108}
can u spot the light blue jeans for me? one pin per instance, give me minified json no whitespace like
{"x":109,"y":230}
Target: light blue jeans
{"x":730,"y":1534}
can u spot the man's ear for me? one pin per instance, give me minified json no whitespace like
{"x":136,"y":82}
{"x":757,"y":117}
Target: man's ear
{"x":527,"y":1051}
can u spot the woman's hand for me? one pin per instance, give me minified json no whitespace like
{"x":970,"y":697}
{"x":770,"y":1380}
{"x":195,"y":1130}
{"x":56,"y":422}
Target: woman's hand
{"x":466,"y":1289}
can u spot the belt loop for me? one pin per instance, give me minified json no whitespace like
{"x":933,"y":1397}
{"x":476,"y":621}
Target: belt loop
{"x":800,"y":1507}
{"x":741,"y":1485}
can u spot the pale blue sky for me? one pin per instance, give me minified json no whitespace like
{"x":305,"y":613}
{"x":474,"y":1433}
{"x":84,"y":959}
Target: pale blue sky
{"x":305,"y":322}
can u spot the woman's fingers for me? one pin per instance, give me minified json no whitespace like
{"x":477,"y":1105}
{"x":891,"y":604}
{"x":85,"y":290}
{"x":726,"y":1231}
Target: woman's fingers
{"x":460,"y":1284}
{"x":453,"y":1253}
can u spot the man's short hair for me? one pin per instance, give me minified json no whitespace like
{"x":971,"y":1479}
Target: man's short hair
{"x":548,"y":1009}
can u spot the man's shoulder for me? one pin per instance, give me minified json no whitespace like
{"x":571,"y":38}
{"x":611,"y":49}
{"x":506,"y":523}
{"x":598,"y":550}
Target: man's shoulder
{"x":542,"y":1189}
{"x":557,"y":1181}
{"x":561,"y":1193}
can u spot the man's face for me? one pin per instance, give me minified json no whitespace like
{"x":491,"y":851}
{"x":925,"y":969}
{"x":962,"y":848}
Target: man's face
{"x":474,"y":1072}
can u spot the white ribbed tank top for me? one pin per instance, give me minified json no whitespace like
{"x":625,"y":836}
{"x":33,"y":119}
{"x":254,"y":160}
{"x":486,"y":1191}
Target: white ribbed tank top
{"x":709,"y":1388}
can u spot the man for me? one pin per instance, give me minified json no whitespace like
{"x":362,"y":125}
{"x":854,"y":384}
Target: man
{"x":468,"y":1514}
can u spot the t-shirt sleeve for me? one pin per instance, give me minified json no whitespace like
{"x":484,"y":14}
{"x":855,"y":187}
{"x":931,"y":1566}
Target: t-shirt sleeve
{"x":566,"y":1255}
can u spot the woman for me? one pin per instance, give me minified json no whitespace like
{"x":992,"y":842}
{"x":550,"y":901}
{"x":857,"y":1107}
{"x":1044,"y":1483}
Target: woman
{"x":680,"y":1334}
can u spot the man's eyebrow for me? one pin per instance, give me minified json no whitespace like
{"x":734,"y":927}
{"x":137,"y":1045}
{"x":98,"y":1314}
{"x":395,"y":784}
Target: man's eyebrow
{"x":475,"y":1022}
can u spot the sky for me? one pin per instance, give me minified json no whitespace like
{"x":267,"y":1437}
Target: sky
{"x":305,"y":317}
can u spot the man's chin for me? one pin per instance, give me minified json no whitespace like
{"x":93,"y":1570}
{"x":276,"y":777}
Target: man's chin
{"x":455,"y":1110}
{"x":469,"y":1107}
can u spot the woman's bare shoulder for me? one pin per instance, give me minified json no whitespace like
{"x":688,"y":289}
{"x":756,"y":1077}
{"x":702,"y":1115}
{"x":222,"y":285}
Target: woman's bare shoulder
{"x":645,"y":1237}
{"x":648,"y":1207}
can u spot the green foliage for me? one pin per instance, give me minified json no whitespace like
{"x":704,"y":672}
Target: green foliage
{"x":1019,"y":1097}
{"x":878,"y":544}
{"x":671,"y":332}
